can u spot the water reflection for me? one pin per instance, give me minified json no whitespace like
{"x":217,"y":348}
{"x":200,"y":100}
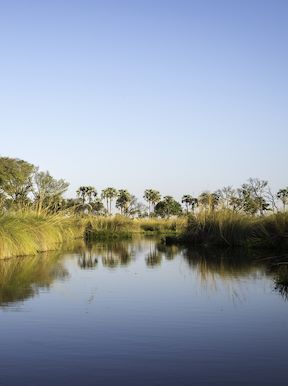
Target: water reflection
{"x":111,"y":254}
{"x":22,"y":278}
{"x":278,"y":268}
{"x":223,"y":263}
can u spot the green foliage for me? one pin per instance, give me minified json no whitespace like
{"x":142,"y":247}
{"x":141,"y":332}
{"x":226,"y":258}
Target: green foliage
{"x":123,"y":201}
{"x":16,"y":180}
{"x":168,"y":207}
{"x":48,"y":191}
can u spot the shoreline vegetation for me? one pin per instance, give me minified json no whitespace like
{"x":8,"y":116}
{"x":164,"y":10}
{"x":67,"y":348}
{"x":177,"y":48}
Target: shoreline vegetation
{"x":35,"y":216}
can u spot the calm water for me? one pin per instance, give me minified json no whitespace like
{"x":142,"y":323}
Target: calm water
{"x":137,"y":313}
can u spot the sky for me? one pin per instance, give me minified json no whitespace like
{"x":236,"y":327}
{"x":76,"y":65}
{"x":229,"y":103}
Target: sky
{"x":179,"y":96}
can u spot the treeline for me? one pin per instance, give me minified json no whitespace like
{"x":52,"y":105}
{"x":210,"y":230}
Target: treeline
{"x":23,"y":185}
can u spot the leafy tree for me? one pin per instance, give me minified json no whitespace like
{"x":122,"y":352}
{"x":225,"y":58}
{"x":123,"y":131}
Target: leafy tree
{"x":48,"y":191}
{"x":167,"y":207}
{"x":109,"y":194}
{"x":16,"y":180}
{"x":98,"y":207}
{"x":123,"y":200}
{"x":282,"y":195}
{"x":253,"y":195}
{"x":152,"y":197}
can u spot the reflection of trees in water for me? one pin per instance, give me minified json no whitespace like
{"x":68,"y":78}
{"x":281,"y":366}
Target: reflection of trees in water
{"x":87,"y":258}
{"x":112,"y":254}
{"x":21,"y":278}
{"x":159,"y":250}
{"x":87,"y":261}
{"x":169,"y":251}
{"x":153,"y":258}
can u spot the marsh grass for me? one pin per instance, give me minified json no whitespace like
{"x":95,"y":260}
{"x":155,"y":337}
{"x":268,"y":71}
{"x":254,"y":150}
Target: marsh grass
{"x":226,"y":228}
{"x":26,"y":233}
{"x":119,"y":227}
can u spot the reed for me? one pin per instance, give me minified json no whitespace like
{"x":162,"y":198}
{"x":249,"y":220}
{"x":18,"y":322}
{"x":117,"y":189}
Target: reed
{"x":226,"y":228}
{"x":26,"y":233}
{"x":117,"y":227}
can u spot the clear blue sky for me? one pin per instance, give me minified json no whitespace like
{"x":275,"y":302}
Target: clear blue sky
{"x":180,"y":96}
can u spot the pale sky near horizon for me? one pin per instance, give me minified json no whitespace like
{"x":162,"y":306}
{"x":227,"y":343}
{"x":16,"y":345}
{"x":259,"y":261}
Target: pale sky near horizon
{"x":180,"y":96}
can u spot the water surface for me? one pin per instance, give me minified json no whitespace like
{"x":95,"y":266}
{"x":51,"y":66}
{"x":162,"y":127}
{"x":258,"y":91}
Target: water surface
{"x":140,"y":313}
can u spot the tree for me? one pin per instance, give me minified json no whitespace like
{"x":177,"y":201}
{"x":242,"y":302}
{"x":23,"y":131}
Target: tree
{"x":210,"y":200}
{"x":98,"y":207}
{"x":152,"y":197}
{"x":86,"y":194}
{"x":226,"y":196}
{"x":253,"y":195}
{"x":136,"y":208}
{"x":16,"y":180}
{"x":123,"y":200}
{"x":188,"y":200}
{"x":168,"y":207}
{"x":282,"y":195}
{"x":109,"y":194}
{"x":48,"y":191}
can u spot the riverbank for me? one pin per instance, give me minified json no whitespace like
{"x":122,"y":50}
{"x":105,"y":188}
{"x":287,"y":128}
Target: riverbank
{"x":229,"y":229}
{"x":26,"y":233}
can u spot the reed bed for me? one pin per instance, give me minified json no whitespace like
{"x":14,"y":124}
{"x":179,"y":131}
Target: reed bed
{"x":28,"y":233}
{"x":226,"y":228}
{"x":118,"y":227}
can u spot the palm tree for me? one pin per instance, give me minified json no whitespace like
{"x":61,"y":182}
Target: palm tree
{"x":283,"y":197}
{"x":123,"y":200}
{"x":188,"y":200}
{"x":152,"y":197}
{"x":81,"y":193}
{"x":209,"y":200}
{"x":109,"y":194}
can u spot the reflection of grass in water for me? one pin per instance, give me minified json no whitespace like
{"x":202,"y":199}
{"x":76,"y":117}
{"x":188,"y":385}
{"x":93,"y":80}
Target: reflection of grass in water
{"x":277,"y":266}
{"x":281,"y":281}
{"x":225,"y":264}
{"x":20,"y":278}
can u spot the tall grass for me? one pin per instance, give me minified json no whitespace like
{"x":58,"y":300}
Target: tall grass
{"x":27,"y":233}
{"x":118,"y":227}
{"x":227,"y":228}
